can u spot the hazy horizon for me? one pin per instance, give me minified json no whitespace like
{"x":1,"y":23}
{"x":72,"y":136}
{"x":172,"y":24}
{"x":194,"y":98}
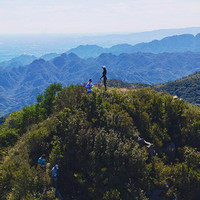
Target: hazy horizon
{"x":13,"y":45}
{"x":101,"y":34}
{"x":96,"y":17}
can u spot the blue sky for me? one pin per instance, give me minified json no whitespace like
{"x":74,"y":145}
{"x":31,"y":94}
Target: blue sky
{"x":96,"y":16}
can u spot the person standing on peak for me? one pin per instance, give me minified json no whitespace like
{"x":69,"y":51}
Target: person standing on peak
{"x":89,"y":86}
{"x":104,"y":76}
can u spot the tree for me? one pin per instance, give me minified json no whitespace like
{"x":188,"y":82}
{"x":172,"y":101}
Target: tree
{"x":50,"y":97}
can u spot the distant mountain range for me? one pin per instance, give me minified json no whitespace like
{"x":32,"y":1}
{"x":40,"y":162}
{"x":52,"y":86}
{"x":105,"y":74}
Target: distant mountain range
{"x":19,"y":86}
{"x":24,"y":59}
{"x":18,"y":61}
{"x":33,"y":44}
{"x":178,"y":43}
{"x":173,"y":44}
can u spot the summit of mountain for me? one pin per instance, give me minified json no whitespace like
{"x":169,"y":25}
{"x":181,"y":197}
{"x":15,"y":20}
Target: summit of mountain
{"x":113,"y":145}
{"x":86,"y":51}
{"x":65,"y":59}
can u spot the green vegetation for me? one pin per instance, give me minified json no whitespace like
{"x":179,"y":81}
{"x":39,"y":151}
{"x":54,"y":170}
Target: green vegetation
{"x":122,"y":84}
{"x":187,"y":88}
{"x":3,"y":119}
{"x":93,"y":137}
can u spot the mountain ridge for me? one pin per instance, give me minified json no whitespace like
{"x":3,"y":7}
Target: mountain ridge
{"x":18,"y":61}
{"x":19,"y":86}
{"x":187,"y":88}
{"x":171,"y":44}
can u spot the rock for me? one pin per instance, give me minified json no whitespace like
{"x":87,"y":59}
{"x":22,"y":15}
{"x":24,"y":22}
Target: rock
{"x":147,"y":144}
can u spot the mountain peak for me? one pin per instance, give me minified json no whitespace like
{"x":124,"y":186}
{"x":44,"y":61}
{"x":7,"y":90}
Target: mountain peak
{"x":73,"y":56}
{"x":64,"y":59}
{"x":38,"y":61}
{"x":87,"y":51}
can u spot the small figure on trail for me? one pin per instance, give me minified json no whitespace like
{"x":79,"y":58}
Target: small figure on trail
{"x":104,"y":76}
{"x":55,"y":175}
{"x":42,"y":161}
{"x":89,"y":86}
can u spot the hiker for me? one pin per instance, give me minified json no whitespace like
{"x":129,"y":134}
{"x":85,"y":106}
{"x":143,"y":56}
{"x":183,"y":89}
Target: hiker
{"x":89,"y":86}
{"x":55,"y":175}
{"x":42,"y":161}
{"x":104,"y":76}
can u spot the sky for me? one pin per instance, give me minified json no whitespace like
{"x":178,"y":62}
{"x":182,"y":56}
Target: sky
{"x":96,"y":16}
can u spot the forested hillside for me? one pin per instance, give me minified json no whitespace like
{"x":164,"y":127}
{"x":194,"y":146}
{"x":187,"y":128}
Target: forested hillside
{"x":187,"y":88}
{"x":99,"y":141}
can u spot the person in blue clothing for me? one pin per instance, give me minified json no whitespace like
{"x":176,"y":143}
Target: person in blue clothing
{"x":42,"y":161}
{"x":55,"y":171}
{"x":55,"y":175}
{"x":89,"y":86}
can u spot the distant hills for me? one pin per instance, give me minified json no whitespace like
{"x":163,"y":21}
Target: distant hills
{"x":18,"y":61}
{"x":173,"y":44}
{"x":187,"y":88}
{"x":87,"y":51}
{"x":19,"y":86}
{"x":14,"y":45}
{"x":177,"y":43}
{"x":24,"y":59}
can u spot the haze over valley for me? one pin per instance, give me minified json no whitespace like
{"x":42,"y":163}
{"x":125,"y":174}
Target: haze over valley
{"x":13,"y":45}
